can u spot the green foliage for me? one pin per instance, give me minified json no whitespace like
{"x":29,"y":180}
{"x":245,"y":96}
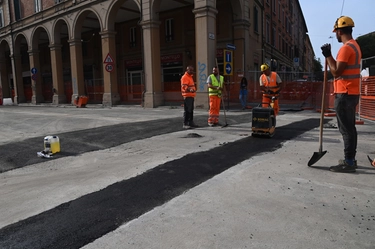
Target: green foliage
{"x":366,"y":42}
{"x":317,"y":69}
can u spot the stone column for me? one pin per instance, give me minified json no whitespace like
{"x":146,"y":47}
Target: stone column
{"x":241,"y":41}
{"x":36,"y":83}
{"x":111,"y":95}
{"x":153,"y":96}
{"x":17,"y":79}
{"x":205,"y":40}
{"x":57,"y":75}
{"x":76,"y":62}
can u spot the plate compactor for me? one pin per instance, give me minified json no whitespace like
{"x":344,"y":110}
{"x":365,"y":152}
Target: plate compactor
{"x":264,"y":120}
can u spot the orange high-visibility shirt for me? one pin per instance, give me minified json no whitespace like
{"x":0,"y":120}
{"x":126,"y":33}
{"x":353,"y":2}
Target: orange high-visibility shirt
{"x":349,"y":81}
{"x":187,"y":83}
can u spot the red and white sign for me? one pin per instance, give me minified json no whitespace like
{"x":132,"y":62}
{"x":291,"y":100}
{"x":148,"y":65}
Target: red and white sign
{"x":108,"y":59}
{"x":109,"y":67}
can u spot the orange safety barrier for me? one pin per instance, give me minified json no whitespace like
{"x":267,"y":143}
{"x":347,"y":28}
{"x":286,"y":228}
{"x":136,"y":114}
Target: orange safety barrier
{"x":95,"y":93}
{"x":130,"y":93}
{"x":366,"y":107}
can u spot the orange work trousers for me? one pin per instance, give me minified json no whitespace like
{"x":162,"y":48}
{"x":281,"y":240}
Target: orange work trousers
{"x":213,"y":115}
{"x":266,"y":101}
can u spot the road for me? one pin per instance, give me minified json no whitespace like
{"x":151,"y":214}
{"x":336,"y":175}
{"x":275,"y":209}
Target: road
{"x":128,"y":177}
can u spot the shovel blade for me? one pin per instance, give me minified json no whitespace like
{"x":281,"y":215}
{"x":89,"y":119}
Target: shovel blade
{"x":316,"y":157}
{"x":372,"y":161}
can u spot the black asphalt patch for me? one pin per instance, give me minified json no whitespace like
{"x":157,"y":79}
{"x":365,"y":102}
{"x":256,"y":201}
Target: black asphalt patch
{"x":81,"y":221}
{"x":23,"y":153}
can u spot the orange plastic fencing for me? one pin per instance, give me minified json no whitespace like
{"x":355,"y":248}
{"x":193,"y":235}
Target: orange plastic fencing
{"x":366,"y":107}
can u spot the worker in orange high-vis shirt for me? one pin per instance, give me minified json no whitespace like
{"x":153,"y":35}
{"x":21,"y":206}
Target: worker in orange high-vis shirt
{"x":188,"y":91}
{"x":346,"y":70}
{"x":215,"y":83}
{"x":270,"y":85}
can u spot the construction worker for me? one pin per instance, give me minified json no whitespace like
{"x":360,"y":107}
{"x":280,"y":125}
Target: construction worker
{"x":215,"y":83}
{"x":270,"y":84}
{"x":188,"y":91}
{"x":346,"y":71}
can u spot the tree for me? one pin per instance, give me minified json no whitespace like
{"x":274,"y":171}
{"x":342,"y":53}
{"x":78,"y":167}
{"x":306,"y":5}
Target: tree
{"x":366,"y":42}
{"x":317,"y":69}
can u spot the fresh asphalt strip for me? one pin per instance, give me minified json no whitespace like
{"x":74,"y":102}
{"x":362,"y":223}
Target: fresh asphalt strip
{"x":78,"y":222}
{"x":23,"y":153}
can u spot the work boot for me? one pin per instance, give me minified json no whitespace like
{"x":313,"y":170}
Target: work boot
{"x":193,"y":125}
{"x":343,"y":167}
{"x":342,"y":162}
{"x":186,"y":126}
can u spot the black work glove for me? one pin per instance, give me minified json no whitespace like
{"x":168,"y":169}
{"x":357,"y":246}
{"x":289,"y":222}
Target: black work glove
{"x":326,"y":50}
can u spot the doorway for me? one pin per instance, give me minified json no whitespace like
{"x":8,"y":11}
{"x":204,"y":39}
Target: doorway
{"x":135,"y":86}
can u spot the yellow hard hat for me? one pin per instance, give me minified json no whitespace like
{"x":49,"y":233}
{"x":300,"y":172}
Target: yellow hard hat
{"x":264,"y":67}
{"x":342,"y":22}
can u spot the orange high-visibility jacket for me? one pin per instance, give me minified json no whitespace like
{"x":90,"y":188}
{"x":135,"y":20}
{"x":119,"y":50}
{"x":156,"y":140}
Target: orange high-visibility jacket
{"x":187,"y":83}
{"x":271,"y":83}
{"x":349,"y":81}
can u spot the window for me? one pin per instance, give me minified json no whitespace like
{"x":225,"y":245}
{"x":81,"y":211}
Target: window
{"x":38,"y":5}
{"x":17,"y":10}
{"x":172,"y":74}
{"x":256,"y":24}
{"x":169,"y":29}
{"x":1,"y":17}
{"x":268,"y":31}
{"x":132,"y":37}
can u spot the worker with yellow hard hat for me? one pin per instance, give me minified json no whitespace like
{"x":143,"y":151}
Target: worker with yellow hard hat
{"x":346,"y":70}
{"x":270,"y":84}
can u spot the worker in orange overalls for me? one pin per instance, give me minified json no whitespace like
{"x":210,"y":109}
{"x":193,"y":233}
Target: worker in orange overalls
{"x":270,"y":84}
{"x":215,"y":83}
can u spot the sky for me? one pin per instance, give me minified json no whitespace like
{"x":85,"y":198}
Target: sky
{"x":321,"y":15}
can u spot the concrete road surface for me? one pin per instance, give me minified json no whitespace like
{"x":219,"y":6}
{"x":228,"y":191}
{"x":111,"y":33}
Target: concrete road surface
{"x":128,"y":177}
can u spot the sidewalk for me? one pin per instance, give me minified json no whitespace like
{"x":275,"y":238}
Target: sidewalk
{"x":271,"y":200}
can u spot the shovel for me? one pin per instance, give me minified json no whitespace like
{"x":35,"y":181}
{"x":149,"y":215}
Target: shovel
{"x":225,"y":115}
{"x":317,"y":155}
{"x":372,"y":161}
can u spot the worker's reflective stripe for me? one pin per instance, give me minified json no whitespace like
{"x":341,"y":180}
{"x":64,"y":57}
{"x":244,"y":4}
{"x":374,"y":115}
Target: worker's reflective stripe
{"x":351,"y":76}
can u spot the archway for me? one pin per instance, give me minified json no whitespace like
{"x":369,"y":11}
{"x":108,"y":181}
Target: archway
{"x":6,"y":90}
{"x":40,"y":62}
{"x":86,"y":57}
{"x":21,"y":77}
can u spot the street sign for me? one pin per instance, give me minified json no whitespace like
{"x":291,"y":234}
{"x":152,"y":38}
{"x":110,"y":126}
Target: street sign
{"x":33,"y":77}
{"x":109,"y":67}
{"x":108,"y":59}
{"x":228,"y":69}
{"x":296,"y":61}
{"x":231,"y":46}
{"x":34,"y":70}
{"x":228,"y":62}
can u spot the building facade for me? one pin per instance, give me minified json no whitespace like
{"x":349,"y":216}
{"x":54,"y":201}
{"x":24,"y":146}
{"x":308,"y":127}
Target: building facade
{"x":135,"y":51}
